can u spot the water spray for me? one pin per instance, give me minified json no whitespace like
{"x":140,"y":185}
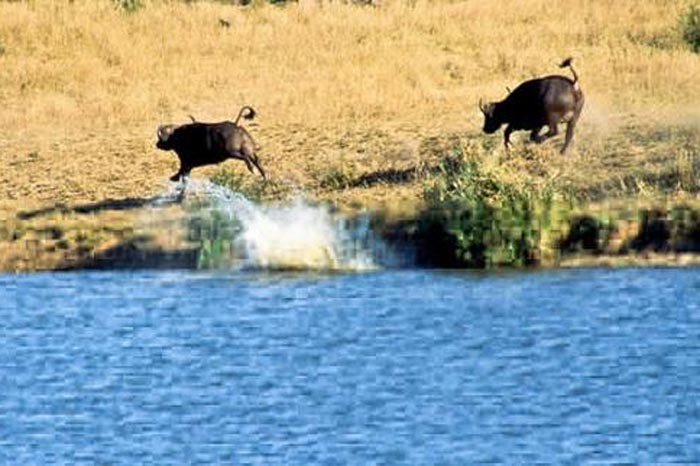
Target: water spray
{"x":291,"y":236}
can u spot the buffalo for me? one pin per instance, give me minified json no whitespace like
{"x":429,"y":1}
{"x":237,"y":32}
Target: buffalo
{"x":197,"y":144}
{"x":537,"y":103}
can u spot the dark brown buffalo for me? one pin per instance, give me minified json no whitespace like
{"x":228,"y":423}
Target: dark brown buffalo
{"x":198,"y":144}
{"x":537,"y":103}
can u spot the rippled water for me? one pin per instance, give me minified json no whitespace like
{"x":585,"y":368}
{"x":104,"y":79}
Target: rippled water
{"x":398,"y":367}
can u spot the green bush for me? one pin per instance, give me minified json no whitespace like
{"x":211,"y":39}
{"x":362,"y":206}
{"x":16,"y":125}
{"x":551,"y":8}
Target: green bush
{"x":214,"y":232}
{"x":473,"y":219}
{"x":690,"y":27}
{"x":250,"y":187}
{"x":335,"y":177}
{"x":129,"y":6}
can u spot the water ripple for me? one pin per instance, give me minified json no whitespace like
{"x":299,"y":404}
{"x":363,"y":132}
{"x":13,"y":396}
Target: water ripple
{"x":401,"y":367}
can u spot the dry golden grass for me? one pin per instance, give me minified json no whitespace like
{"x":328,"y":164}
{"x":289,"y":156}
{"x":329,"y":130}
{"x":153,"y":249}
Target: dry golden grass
{"x":83,"y":85}
{"x":355,"y":92}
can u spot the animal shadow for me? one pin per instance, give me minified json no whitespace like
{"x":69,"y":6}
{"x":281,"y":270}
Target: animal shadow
{"x":128,"y":203}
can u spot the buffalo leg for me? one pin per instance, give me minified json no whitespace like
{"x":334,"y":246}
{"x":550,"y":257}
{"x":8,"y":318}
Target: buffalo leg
{"x":248,"y":164}
{"x":243,"y":155}
{"x":506,"y":136}
{"x":252,"y":159}
{"x":256,"y":162}
{"x":572,"y":122}
{"x":553,"y":131}
{"x":182,"y":174}
{"x":535,"y":135}
{"x":177,"y":176}
{"x":569,"y":134}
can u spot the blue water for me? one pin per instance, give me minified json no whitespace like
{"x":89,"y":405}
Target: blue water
{"x":397,"y":367}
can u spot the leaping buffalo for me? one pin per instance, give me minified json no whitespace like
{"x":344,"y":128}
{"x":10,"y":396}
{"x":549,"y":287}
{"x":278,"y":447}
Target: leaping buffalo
{"x":537,"y":103}
{"x":197,"y":144}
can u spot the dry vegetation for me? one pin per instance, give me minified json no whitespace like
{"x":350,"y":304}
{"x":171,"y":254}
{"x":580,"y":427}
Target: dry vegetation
{"x":354,"y":102}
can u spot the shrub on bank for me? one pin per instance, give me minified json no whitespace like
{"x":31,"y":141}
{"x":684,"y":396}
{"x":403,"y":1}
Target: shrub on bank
{"x":241,"y":183}
{"x":474,"y":219}
{"x":129,"y":6}
{"x":690,"y":27}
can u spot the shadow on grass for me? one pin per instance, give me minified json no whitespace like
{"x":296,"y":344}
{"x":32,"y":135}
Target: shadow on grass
{"x":339,"y":181}
{"x":390,"y":176}
{"x":129,"y":203}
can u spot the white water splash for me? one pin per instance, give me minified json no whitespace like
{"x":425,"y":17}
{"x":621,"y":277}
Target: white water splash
{"x":295,"y":236}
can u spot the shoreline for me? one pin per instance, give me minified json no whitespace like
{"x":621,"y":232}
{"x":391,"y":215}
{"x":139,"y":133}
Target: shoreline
{"x":120,"y":240}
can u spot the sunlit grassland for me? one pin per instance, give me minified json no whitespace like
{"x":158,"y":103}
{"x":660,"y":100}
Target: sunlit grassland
{"x":357,"y":105}
{"x":82,"y":84}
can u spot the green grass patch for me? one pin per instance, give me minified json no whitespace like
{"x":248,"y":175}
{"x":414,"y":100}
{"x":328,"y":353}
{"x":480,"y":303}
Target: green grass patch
{"x":129,"y":6}
{"x":253,"y":188}
{"x":213,"y":231}
{"x":690,"y":27}
{"x":336,"y":177}
{"x":474,"y":218}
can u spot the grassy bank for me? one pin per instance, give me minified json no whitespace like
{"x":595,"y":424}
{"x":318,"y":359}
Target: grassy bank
{"x":478,"y":214}
{"x":357,"y":106}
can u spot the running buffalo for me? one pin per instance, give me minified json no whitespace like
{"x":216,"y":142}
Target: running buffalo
{"x":197,"y":144}
{"x":537,"y":103}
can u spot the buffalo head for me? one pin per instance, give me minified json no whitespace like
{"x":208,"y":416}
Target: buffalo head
{"x":164,"y":133}
{"x":491,"y":123}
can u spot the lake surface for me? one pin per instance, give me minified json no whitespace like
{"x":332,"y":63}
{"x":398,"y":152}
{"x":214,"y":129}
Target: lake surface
{"x":392,"y":367}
